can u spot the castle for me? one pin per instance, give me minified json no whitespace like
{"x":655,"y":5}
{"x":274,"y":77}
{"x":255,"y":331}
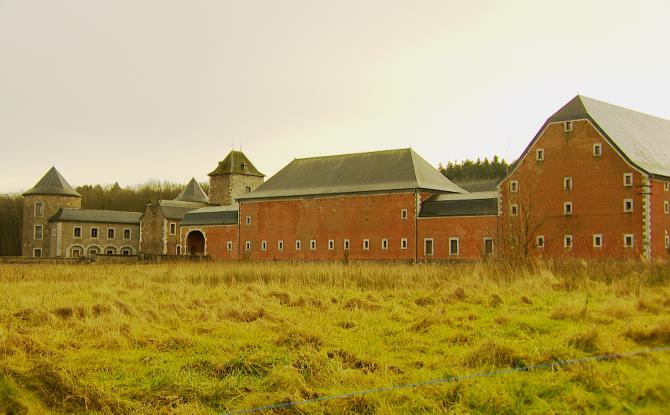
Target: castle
{"x":593,"y":183}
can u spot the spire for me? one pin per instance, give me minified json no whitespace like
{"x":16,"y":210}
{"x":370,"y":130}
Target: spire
{"x":192,"y":192}
{"x":53,"y":183}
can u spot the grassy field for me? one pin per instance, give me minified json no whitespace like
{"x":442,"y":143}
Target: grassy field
{"x":212,"y":338}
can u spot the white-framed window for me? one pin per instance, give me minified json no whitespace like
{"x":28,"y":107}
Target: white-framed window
{"x":627,"y":205}
{"x":628,"y":240}
{"x":37,"y":252}
{"x":403,"y":214}
{"x":454,"y":246}
{"x":667,"y":241}
{"x":567,"y":241}
{"x":514,"y":186}
{"x":539,"y":154}
{"x":247,"y":245}
{"x":567,"y":208}
{"x":39,"y":209}
{"x":127,"y":251}
{"x":488,"y":246}
{"x":597,"y":240}
{"x":76,"y":232}
{"x":264,"y":245}
{"x":110,"y":251}
{"x":666,"y":186}
{"x":385,"y":244}
{"x":331,"y":244}
{"x":127,"y":233}
{"x":312,"y":245}
{"x":666,"y":207}
{"x":280,"y":246}
{"x":403,"y":243}
{"x":628,"y":179}
{"x":95,"y":233}
{"x":247,"y":220}
{"x":229,"y":246}
{"x":347,"y":244}
{"x":75,"y":252}
{"x":366,"y":244}
{"x":567,"y":126}
{"x":178,"y":250}
{"x":173,"y":228}
{"x":597,"y":150}
{"x":298,"y":245}
{"x":539,"y":241}
{"x":513,"y":209}
{"x":428,"y":246}
{"x":38,"y":232}
{"x":567,"y":183}
{"x":111,"y":233}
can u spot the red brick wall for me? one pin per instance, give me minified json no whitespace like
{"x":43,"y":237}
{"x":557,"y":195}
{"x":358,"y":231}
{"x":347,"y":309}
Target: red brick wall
{"x":470,"y":230}
{"x":597,"y":196}
{"x":660,"y":221}
{"x":373,"y":217}
{"x":216,"y":239}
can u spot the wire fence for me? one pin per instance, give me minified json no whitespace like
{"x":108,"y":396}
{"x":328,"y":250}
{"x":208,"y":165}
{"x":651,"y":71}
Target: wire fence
{"x":451,"y":379}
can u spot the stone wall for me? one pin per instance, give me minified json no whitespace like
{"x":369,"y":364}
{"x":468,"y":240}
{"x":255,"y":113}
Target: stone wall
{"x":153,"y":230}
{"x":66,"y":241}
{"x":51,"y":206}
{"x":226,"y":188}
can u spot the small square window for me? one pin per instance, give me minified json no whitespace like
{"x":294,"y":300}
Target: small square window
{"x":628,"y":179}
{"x":403,"y":243}
{"x":539,"y":154}
{"x":539,"y":241}
{"x":173,"y":228}
{"x":514,"y":186}
{"x":567,"y":183}
{"x":597,"y":150}
{"x":111,"y":232}
{"x":567,"y":241}
{"x":126,"y":234}
{"x":126,"y":251}
{"x":95,"y":233}
{"x":298,"y":245}
{"x":37,"y":252}
{"x":229,"y":246}
{"x":567,"y":126}
{"x":39,"y":232}
{"x":628,"y":205}
{"x":312,"y":245}
{"x":110,"y":251}
{"x":428,"y":247}
{"x":247,"y":245}
{"x":488,"y":246}
{"x":666,"y":207}
{"x":264,"y":245}
{"x":366,"y":244}
{"x":597,"y":241}
{"x":454,"y":246}
{"x":280,"y":246}
{"x":247,"y":220}
{"x":39,"y":209}
{"x":628,"y":240}
{"x":76,"y":232}
{"x":247,"y":189}
{"x":385,"y":244}
{"x":403,"y":214}
{"x":331,"y":244}
{"x":514,"y":209}
{"x":567,"y":208}
{"x":347,"y":244}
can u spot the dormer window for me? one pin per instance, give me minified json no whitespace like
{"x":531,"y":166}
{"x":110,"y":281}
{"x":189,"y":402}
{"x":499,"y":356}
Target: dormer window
{"x":567,"y":126}
{"x":244,"y":166}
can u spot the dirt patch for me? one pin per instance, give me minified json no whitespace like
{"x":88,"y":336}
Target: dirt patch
{"x":350,"y":361}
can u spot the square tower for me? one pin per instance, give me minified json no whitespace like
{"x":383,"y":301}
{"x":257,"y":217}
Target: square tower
{"x":232,"y":178}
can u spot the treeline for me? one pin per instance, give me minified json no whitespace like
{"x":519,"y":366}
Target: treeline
{"x":11,"y":220}
{"x":470,"y":170}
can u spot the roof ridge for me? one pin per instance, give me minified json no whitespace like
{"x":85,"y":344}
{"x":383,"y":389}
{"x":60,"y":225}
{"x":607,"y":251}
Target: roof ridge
{"x":354,"y":154}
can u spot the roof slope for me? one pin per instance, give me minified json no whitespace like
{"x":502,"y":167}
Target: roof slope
{"x":192,"y":192}
{"x":236,"y":163}
{"x":97,"y":216}
{"x":53,"y":183}
{"x":643,"y":139}
{"x":215,"y":215}
{"x":176,"y":209}
{"x":469,"y":204}
{"x":377,"y":171}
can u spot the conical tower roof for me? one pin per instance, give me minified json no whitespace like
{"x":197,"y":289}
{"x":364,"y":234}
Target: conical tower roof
{"x":53,"y":183}
{"x":192,"y":192}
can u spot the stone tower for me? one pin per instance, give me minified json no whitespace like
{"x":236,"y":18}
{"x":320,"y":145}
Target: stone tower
{"x":40,"y":203}
{"x":233,"y":177}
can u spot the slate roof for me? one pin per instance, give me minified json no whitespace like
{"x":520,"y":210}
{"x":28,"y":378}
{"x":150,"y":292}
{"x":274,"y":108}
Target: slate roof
{"x":468,"y":204}
{"x":236,"y":163}
{"x":53,"y":183}
{"x":97,"y":216}
{"x":481,"y":185}
{"x":176,"y":209}
{"x":378,"y":171}
{"x":192,"y":192}
{"x":214,"y":215}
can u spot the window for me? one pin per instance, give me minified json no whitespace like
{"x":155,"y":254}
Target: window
{"x":488,"y":246}
{"x":403,"y":213}
{"x":39,"y":232}
{"x":403,"y":243}
{"x":454,"y":246}
{"x":514,"y":186}
{"x":567,"y":241}
{"x":247,"y":189}
{"x":539,"y":154}
{"x":126,"y":251}
{"x":110,"y":251}
{"x":628,"y":179}
{"x":229,"y":246}
{"x":39,"y":209}
{"x":666,"y":186}
{"x":53,"y":232}
{"x":366,"y":244}
{"x":110,"y":233}
{"x":347,"y":244}
{"x":666,"y":208}
{"x":627,"y":205}
{"x":628,"y":240}
{"x":95,"y":233}
{"x":298,"y":245}
{"x":597,"y":150}
{"x":667,"y":241}
{"x":93,"y":251}
{"x":75,"y":252}
{"x":247,"y":220}
{"x":385,"y":244}
{"x":37,"y":252}
{"x":76,"y":232}
{"x":539,"y":241}
{"x":567,"y":208}
{"x":428,"y":246}
{"x":247,"y":245}
{"x":126,"y":234}
{"x":264,"y":245}
{"x":173,"y":228}
{"x":514,"y":209}
{"x":312,"y":245}
{"x":567,"y":126}
{"x":567,"y":183}
{"x":597,"y":240}
{"x":178,"y":250}
{"x":280,"y":246}
{"x":331,"y":244}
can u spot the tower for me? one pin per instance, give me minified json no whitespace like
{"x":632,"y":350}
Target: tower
{"x":233,"y":177}
{"x":41,"y":202}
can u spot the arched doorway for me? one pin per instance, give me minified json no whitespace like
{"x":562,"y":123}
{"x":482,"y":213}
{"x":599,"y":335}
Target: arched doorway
{"x":195,"y":243}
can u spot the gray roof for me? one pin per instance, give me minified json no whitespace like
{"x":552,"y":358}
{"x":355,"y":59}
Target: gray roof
{"x":468,"y":204}
{"x":378,"y":171}
{"x":53,"y":183}
{"x":192,"y":192}
{"x":214,"y":215}
{"x":643,"y":139}
{"x":479,"y":185}
{"x":236,"y":163}
{"x":97,"y":216}
{"x":176,"y":209}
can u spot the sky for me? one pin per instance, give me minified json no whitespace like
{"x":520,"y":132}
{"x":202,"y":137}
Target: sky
{"x":139,"y":90}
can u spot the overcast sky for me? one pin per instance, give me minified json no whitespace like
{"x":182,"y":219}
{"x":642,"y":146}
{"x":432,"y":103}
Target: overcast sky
{"x":138,"y":90}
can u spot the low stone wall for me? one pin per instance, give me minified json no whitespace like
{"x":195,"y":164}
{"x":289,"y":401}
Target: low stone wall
{"x":31,"y":260}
